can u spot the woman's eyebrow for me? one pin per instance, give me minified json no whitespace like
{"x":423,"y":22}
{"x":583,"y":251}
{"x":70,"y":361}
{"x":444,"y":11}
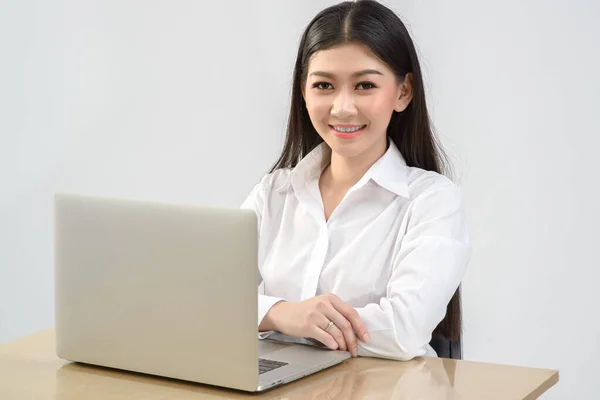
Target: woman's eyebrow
{"x":329,"y":75}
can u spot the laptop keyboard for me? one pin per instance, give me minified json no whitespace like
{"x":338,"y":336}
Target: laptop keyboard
{"x":268,"y":365}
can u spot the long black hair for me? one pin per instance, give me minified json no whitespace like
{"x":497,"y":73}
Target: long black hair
{"x":381,"y":30}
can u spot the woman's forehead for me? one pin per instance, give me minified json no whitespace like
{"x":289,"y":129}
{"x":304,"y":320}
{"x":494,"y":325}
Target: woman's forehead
{"x":346,"y":60}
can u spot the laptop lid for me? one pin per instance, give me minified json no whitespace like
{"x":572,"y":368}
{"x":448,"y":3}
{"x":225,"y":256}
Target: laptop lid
{"x":157,"y":288}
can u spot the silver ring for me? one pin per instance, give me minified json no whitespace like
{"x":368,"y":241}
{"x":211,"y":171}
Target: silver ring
{"x":329,"y":325}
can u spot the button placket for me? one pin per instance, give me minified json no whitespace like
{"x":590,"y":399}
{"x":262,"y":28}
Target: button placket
{"x":317,"y":263}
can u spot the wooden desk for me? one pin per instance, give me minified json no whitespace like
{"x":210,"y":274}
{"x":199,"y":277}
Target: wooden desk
{"x":29,"y":369}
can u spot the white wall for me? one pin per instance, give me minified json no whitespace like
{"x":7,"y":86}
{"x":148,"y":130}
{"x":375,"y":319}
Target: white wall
{"x":515,"y":91}
{"x":142,"y":99}
{"x":174,"y":101}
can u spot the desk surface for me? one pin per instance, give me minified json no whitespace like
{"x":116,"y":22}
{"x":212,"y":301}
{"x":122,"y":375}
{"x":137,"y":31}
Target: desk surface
{"x":29,"y":369}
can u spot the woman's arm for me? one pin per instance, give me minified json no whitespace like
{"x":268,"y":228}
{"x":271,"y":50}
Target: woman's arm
{"x":255,"y":202}
{"x":427,"y":270}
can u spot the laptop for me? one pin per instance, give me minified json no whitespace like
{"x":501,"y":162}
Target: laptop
{"x":168,"y":290}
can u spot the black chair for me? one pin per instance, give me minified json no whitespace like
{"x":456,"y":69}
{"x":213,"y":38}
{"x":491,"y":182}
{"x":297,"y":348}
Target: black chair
{"x":444,"y":347}
{"x":447,"y":348}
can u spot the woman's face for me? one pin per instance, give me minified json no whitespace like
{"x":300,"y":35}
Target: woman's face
{"x":350,"y":95}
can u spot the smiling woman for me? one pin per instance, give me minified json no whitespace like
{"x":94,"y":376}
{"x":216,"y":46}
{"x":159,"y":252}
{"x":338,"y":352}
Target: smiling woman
{"x":351,"y":94}
{"x":363,"y":242}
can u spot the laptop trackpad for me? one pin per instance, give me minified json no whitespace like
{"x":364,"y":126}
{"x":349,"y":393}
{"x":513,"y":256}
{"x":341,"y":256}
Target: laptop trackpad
{"x":267,"y":347}
{"x":296,"y":353}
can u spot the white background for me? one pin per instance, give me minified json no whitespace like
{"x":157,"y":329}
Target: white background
{"x":185,"y":101}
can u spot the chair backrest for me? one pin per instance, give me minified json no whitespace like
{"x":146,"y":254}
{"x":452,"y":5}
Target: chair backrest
{"x":447,"y":348}
{"x":451,"y":326}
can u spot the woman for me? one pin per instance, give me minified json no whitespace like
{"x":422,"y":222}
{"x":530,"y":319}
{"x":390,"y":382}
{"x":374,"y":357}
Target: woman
{"x":363,"y":241}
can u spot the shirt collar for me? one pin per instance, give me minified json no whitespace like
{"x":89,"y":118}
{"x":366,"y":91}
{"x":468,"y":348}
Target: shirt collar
{"x":389,"y":172}
{"x":309,"y":167}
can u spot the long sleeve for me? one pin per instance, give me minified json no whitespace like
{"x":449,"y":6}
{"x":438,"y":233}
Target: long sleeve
{"x":256,"y":202}
{"x":427,"y":269}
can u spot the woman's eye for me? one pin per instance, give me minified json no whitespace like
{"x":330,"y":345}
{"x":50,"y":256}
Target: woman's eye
{"x":322,"y":85}
{"x":365,"y":86}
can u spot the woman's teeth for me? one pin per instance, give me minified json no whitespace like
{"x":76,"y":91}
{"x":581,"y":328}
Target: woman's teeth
{"x":348,"y":130}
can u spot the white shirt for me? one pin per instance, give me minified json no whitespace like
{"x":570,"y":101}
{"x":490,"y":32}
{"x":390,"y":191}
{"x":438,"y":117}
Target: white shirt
{"x":395,"y":248}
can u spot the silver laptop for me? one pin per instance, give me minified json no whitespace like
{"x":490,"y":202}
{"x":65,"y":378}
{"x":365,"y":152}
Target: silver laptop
{"x":168,"y":290}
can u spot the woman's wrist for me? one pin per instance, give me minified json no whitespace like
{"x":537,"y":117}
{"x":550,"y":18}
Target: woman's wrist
{"x":269,"y":322}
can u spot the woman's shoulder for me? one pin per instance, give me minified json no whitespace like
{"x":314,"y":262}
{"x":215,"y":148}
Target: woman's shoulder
{"x":438,"y":201}
{"x":423,"y":183}
{"x":276,"y":180}
{"x":266,"y":186}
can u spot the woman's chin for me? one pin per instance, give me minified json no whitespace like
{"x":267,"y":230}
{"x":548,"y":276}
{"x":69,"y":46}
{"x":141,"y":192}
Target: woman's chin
{"x":350,"y":148}
{"x":346,"y":148}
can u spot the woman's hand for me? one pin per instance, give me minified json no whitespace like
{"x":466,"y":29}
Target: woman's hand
{"x":310,"y":319}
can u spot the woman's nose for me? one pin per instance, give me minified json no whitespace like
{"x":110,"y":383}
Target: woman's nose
{"x":343,"y":105}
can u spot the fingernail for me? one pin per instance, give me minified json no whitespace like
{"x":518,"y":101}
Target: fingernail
{"x":366,"y":337}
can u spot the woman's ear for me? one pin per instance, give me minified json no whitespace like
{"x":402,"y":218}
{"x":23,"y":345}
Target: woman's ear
{"x":405,"y":93}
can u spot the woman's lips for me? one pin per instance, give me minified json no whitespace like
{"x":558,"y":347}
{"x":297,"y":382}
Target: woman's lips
{"x":346,"y":133}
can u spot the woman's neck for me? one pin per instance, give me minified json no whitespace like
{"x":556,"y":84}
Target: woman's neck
{"x":344,"y":172}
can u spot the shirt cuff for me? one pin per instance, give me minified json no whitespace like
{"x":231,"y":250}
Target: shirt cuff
{"x":264,"y":305}
{"x":265,"y":335}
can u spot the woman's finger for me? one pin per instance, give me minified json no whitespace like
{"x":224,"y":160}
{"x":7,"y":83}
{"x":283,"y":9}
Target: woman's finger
{"x":352,"y":316}
{"x":335,"y":332}
{"x":323,"y":337}
{"x":332,"y":330}
{"x":346,"y":329}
